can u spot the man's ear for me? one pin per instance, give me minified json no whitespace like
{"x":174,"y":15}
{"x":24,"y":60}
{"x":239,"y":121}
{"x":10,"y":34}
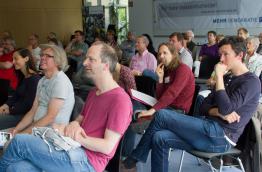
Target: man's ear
{"x":106,"y":67}
{"x":241,"y":56}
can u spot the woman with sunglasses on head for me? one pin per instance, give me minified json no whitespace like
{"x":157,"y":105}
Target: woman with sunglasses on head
{"x":21,"y":101}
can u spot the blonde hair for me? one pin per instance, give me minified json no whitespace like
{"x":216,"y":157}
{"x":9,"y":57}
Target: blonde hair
{"x":59,"y":56}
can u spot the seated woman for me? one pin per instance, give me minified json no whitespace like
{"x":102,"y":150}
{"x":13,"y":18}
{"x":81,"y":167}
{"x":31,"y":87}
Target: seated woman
{"x":21,"y":101}
{"x":175,"y":87}
{"x":252,"y":59}
{"x":54,"y":99}
{"x":176,"y":83}
{"x":123,"y":75}
{"x":208,"y":56}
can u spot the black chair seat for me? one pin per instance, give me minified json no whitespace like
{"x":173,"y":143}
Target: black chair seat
{"x":208,"y":155}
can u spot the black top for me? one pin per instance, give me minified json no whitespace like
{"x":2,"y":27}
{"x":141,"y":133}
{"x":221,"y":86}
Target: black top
{"x":241,"y":95}
{"x":191,"y":45}
{"x":22,"y":99}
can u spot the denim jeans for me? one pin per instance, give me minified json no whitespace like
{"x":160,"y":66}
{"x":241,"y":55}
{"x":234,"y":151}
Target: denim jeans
{"x":30,"y":153}
{"x":130,"y":135}
{"x":170,"y":129}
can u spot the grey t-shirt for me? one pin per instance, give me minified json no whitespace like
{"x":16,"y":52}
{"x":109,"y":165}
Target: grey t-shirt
{"x":59,"y":86}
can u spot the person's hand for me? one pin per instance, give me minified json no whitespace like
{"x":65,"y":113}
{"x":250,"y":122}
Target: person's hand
{"x":211,"y":82}
{"x":73,"y":40}
{"x":146,"y":113}
{"x":80,"y":136}
{"x":136,"y":73}
{"x":72,"y":129}
{"x":13,"y":131}
{"x":160,"y":72}
{"x":4,"y":110}
{"x":60,"y":128}
{"x":220,"y":69}
{"x":232,"y":117}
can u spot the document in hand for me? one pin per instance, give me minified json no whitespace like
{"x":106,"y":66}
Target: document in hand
{"x":4,"y":137}
{"x":143,"y":98}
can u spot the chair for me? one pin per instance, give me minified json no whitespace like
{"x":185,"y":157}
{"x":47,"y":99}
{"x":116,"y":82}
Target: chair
{"x":146,"y":85}
{"x":79,"y":104}
{"x":235,"y":153}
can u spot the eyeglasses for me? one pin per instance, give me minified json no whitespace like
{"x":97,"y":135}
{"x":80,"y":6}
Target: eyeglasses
{"x":46,"y":55}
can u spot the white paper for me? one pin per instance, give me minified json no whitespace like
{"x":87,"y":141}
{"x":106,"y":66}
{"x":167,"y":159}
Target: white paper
{"x":144,"y":98}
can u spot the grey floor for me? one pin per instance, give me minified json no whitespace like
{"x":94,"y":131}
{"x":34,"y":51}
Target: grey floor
{"x":190,"y":164}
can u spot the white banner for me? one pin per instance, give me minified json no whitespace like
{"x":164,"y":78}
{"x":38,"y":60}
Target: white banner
{"x":204,"y":15}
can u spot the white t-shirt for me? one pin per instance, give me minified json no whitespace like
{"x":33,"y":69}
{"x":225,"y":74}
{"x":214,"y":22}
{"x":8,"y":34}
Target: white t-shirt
{"x":59,"y":86}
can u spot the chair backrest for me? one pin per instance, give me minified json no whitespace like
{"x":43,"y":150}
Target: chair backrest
{"x":197,"y":88}
{"x":207,"y":67}
{"x":195,"y":52}
{"x":250,"y":145}
{"x":146,"y":85}
{"x":79,"y":104}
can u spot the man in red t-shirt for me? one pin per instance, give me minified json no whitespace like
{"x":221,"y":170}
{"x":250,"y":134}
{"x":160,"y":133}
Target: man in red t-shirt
{"x":99,"y":128}
{"x":7,"y":72}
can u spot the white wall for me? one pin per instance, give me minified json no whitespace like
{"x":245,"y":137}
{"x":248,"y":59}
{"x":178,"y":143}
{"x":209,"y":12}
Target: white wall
{"x":141,"y":21}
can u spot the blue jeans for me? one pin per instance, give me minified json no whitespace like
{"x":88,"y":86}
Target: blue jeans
{"x":170,"y":129}
{"x":130,"y":135}
{"x":30,"y":153}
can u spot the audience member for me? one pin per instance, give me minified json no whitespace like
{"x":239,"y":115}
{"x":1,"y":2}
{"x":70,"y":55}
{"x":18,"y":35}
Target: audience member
{"x":150,"y":46}
{"x":123,"y":75}
{"x":242,"y":33}
{"x":143,"y":58}
{"x":104,"y":119}
{"x":219,"y":38}
{"x":253,"y":60}
{"x":111,"y":38}
{"x":208,"y":55}
{"x":190,"y":44}
{"x":177,"y":40}
{"x":226,"y":112}
{"x":259,"y":49}
{"x":33,"y":46}
{"x":22,"y":100}
{"x":176,"y":82}
{"x":8,"y":79}
{"x":76,"y":50}
{"x":52,"y":35}
{"x":54,"y":98}
{"x":1,"y":49}
{"x":128,"y":48}
{"x":53,"y":41}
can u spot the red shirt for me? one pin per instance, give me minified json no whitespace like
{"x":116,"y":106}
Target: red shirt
{"x":8,"y":74}
{"x":111,"y":110}
{"x":177,"y":89}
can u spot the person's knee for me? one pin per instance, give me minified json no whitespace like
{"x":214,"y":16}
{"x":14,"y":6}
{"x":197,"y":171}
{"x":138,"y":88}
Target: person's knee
{"x":18,"y":140}
{"x":21,"y":138}
{"x":161,"y":115}
{"x":158,"y":139}
{"x":21,"y":166}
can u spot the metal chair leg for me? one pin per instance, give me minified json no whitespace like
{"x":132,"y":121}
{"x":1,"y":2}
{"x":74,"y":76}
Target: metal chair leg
{"x":240,"y":164}
{"x":221,"y":164}
{"x":198,"y":161}
{"x":181,"y":161}
{"x":211,"y":166}
{"x":169,"y":154}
